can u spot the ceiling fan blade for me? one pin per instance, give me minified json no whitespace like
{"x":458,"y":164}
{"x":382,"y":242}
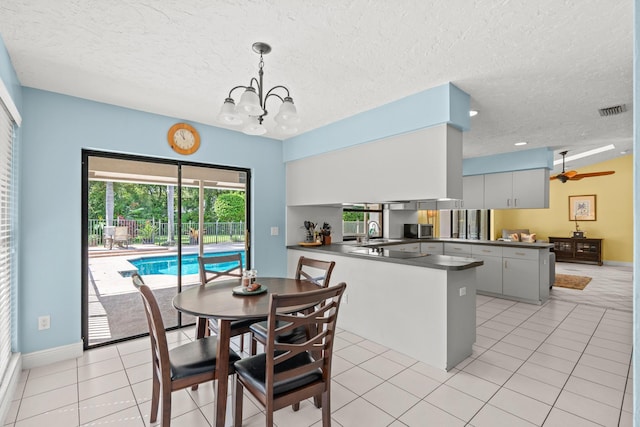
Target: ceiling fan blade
{"x":590,"y":174}
{"x":570,"y":174}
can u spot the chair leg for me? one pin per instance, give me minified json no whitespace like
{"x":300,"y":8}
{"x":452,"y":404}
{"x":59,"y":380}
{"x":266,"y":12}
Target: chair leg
{"x":155,"y":399}
{"x":269,"y":414}
{"x":201,"y":330}
{"x":317,"y":400}
{"x":238,"y":396}
{"x":296,"y":406}
{"x":241,"y":343}
{"x":254,"y":344}
{"x":166,"y":406}
{"x":326,"y":409}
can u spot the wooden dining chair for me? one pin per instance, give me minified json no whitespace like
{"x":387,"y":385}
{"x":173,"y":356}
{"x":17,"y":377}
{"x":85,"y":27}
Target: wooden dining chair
{"x":289,"y":373}
{"x":313,"y":270}
{"x":208,"y":273}
{"x":180,"y":367}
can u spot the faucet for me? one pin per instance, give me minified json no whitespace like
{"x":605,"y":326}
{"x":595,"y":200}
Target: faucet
{"x":373,"y":228}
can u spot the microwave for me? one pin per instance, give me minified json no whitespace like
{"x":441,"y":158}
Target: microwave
{"x":418,"y":231}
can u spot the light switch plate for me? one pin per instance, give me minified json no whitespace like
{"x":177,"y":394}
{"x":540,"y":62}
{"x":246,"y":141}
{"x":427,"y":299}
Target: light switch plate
{"x":463,"y":291}
{"x":274,"y":231}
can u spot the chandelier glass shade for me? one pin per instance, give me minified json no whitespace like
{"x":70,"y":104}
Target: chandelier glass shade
{"x":252,"y":106}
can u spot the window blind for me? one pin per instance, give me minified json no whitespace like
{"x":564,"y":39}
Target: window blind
{"x":6,"y":236}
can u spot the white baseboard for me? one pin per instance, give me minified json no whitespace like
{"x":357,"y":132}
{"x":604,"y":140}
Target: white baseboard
{"x":8,"y":387}
{"x":51,"y":355}
{"x":618,"y":263}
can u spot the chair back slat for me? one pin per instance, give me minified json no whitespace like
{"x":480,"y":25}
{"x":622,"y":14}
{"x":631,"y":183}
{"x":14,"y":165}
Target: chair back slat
{"x":316,"y":271}
{"x":207,"y":274}
{"x":319,"y":321}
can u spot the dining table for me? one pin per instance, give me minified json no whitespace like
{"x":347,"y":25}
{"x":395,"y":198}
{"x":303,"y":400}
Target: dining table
{"x":217,"y":300}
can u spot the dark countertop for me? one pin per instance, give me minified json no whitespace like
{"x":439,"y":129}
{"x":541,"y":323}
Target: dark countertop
{"x":535,"y":245}
{"x":440,"y":262}
{"x":373,"y":243}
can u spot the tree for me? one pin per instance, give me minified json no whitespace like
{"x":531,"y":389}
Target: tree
{"x":229,"y":207}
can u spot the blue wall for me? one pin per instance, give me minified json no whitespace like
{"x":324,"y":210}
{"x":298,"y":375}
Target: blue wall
{"x":431,"y":107}
{"x":55,"y":130}
{"x":538,"y":158}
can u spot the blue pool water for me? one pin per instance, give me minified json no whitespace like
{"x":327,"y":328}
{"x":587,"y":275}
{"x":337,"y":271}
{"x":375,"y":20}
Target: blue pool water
{"x":168,"y":264}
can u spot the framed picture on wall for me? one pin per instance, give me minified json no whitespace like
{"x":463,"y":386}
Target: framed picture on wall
{"x":582,"y":208}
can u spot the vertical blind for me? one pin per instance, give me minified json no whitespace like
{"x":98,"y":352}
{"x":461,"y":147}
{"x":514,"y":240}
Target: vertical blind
{"x":6,"y":236}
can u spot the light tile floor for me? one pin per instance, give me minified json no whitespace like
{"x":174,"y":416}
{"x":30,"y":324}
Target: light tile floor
{"x":566,"y":363}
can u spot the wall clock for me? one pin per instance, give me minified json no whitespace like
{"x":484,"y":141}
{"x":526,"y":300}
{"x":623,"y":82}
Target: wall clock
{"x":183,"y":138}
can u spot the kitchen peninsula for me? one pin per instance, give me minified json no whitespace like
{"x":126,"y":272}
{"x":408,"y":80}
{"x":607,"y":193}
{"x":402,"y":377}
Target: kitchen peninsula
{"x":418,"y":296}
{"x":422,"y":306}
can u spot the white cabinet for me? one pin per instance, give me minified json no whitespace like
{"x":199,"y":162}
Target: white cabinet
{"x":525,"y":274}
{"x":432,"y":248}
{"x":488,"y":275}
{"x":473,"y":192}
{"x":520,"y":189}
{"x":457,"y":249}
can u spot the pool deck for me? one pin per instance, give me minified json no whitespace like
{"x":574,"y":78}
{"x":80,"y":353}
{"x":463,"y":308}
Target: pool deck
{"x":105,"y":281}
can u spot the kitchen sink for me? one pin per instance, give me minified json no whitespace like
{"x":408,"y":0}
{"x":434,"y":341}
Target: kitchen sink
{"x":386,"y":253}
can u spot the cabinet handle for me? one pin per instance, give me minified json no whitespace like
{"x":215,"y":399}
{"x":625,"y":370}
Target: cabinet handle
{"x":508,"y":202}
{"x":505,"y":263}
{"x":486,"y":251}
{"x":515,"y":202}
{"x":520,"y":253}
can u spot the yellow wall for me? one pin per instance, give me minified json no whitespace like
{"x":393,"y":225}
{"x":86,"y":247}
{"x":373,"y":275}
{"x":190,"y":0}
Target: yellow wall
{"x":614,"y":215}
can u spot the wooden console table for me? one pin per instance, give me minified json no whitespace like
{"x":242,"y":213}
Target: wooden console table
{"x":587,"y":251}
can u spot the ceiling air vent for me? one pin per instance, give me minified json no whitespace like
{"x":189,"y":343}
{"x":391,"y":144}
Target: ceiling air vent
{"x":612,"y":111}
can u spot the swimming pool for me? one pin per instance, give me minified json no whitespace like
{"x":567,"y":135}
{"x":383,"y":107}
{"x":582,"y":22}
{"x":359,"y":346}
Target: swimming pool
{"x":168,"y":264}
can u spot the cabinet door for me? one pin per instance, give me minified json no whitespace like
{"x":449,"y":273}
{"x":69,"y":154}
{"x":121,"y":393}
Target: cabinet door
{"x":521,"y":278}
{"x":433,"y":248}
{"x":531,"y":189}
{"x":457,"y":249}
{"x":489,"y":275}
{"x":498,"y":190}
{"x":473,"y":192}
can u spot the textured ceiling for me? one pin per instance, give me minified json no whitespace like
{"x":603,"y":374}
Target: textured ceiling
{"x":536,"y":70}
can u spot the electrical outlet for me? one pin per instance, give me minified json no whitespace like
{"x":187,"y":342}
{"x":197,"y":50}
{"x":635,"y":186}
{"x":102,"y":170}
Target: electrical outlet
{"x":463,"y":291}
{"x":275,"y":231}
{"x":44,"y":322}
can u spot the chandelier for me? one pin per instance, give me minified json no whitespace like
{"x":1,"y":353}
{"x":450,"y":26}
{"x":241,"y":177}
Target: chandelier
{"x":252,"y":107}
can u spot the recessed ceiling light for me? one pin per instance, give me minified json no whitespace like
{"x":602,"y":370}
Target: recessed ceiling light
{"x":521,"y":143}
{"x":473,"y":113}
{"x":586,"y":154}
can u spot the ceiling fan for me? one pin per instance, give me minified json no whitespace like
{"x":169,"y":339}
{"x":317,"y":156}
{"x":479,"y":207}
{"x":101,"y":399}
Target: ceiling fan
{"x":574,"y":175}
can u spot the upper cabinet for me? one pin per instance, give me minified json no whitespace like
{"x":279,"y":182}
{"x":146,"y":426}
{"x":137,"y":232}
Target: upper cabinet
{"x":517,"y":190}
{"x":425,"y":164}
{"x":473,"y":192}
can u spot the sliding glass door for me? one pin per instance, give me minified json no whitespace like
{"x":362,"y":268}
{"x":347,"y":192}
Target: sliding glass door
{"x":153,"y":217}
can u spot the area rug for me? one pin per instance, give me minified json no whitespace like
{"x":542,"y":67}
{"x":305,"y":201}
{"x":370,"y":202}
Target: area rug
{"x":571,"y":281}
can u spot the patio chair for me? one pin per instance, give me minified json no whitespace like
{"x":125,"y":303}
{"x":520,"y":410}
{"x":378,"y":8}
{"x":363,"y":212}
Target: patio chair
{"x":121,"y":236}
{"x":182,"y":366}
{"x":286,"y":374}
